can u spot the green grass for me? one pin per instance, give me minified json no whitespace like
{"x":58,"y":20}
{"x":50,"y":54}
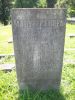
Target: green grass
{"x":69,"y":42}
{"x":68,"y":81}
{"x":69,"y":55}
{"x":70,"y":28}
{"x":5,"y":34}
{"x":7,"y":59}
{"x":6,"y":48}
{"x":9,"y":87}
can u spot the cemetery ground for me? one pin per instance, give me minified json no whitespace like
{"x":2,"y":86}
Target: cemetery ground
{"x":9,"y":89}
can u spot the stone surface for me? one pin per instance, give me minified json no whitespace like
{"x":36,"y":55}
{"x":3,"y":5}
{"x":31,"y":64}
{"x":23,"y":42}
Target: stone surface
{"x":38,"y":36}
{"x":71,"y":20}
{"x":7,"y":67}
{"x":71,"y":35}
{"x":10,"y":40}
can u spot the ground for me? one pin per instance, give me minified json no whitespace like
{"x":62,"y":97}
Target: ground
{"x":8,"y":83}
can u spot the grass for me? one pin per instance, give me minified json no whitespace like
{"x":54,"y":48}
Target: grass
{"x":7,"y":59}
{"x":69,"y":55}
{"x":68,"y":81}
{"x":70,"y":28}
{"x":9,"y":87}
{"x":5,"y":34}
{"x":69,"y":42}
{"x":6,"y":48}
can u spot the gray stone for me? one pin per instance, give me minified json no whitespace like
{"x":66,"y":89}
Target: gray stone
{"x":7,"y":67}
{"x":71,"y":35}
{"x":38,"y":36}
{"x":71,"y":20}
{"x":10,"y":40}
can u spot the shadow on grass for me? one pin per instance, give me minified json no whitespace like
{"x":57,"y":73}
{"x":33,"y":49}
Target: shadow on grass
{"x":40,"y":95}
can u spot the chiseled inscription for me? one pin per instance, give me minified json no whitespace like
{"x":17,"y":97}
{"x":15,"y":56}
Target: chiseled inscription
{"x":26,"y":23}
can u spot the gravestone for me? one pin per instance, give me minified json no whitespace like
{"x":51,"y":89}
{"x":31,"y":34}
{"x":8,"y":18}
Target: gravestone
{"x":38,"y":36}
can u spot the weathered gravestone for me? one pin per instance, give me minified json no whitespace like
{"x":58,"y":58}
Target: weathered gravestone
{"x":38,"y":36}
